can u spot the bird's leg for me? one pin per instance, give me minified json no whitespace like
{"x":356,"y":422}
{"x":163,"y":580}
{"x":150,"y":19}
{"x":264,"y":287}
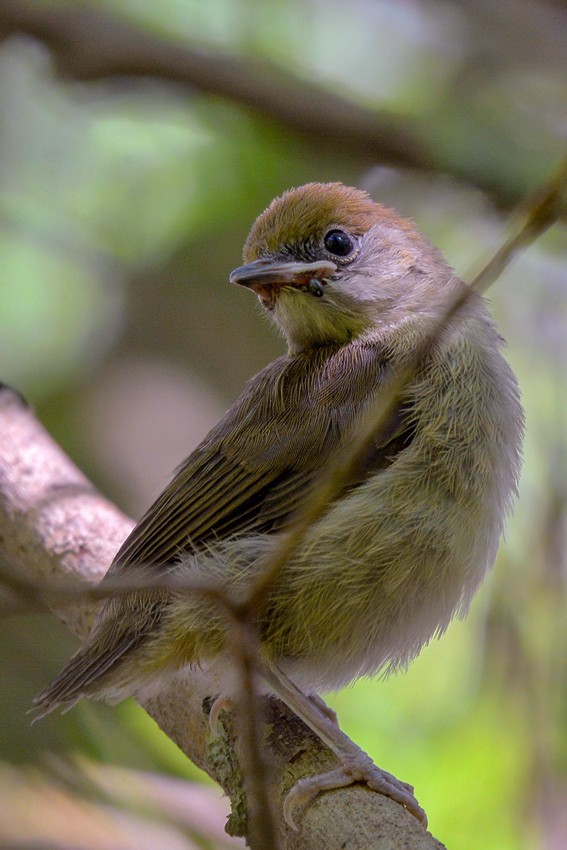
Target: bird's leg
{"x":357,"y":766}
{"x":225,"y":703}
{"x":326,"y":709}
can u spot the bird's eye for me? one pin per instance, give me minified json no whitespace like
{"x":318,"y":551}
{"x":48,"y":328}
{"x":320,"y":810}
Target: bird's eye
{"x":339,"y":243}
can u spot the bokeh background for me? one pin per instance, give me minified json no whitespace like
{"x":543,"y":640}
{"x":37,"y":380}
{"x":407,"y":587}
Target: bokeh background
{"x":127,"y":188}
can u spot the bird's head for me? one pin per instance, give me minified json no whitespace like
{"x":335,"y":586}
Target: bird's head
{"x":329,"y":265}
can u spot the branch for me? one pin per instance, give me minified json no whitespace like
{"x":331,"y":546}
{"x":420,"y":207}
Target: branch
{"x":91,"y":45}
{"x":56,"y":527}
{"x":88,"y":45}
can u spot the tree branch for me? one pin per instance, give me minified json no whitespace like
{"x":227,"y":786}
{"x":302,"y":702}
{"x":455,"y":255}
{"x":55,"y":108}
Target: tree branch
{"x":56,"y":527}
{"x":87,"y":45}
{"x":90,"y":45}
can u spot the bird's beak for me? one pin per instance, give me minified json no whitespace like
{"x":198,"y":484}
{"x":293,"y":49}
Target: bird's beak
{"x":267,"y":276}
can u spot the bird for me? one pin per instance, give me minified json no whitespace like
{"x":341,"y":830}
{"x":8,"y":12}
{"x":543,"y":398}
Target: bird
{"x":404,"y":543}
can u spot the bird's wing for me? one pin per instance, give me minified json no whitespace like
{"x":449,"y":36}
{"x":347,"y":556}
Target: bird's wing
{"x":211,"y":496}
{"x":258,"y":453}
{"x":257,"y":466}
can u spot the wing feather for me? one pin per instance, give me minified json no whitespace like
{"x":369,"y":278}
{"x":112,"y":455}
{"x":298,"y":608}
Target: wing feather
{"x":256,"y":467}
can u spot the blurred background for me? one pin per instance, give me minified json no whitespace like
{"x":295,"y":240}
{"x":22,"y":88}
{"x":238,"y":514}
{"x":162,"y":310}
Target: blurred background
{"x":138,"y":142}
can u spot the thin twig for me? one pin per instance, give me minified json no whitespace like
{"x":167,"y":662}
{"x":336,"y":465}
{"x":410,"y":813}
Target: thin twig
{"x":258,"y":778}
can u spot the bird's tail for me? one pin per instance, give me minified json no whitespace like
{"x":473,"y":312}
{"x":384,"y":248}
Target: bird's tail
{"x":88,"y":673}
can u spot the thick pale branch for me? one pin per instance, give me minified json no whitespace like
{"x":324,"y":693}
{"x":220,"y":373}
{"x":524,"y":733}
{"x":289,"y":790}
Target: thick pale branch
{"x":54,"y":526}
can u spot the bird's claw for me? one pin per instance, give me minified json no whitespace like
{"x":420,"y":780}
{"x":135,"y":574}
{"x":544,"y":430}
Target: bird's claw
{"x":309,"y":787}
{"x":364,"y":771}
{"x":221,"y":703}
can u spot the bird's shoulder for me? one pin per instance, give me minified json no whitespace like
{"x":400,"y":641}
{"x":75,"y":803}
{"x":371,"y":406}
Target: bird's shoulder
{"x":255,"y":468}
{"x":320,"y":382}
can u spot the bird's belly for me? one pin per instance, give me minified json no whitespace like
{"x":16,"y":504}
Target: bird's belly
{"x":374,"y":582}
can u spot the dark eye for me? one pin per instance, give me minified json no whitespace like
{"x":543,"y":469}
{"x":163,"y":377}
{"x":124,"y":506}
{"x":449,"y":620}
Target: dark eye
{"x":339,"y":243}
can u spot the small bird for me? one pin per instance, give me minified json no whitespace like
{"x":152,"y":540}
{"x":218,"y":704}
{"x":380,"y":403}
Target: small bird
{"x":401,"y":549}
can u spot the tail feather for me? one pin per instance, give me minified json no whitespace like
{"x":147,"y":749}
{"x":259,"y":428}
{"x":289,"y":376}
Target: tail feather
{"x":85,"y":675}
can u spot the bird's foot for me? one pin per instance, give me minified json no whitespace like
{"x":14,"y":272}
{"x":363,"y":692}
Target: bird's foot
{"x":221,"y":703}
{"x":357,"y":767}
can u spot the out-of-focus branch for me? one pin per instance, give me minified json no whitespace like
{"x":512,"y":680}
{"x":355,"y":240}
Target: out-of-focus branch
{"x":88,"y":44}
{"x":91,"y":45}
{"x":54,"y":526}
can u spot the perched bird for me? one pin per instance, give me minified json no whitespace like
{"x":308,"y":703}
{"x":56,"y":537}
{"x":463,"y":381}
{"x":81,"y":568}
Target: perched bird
{"x":402,"y":547}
